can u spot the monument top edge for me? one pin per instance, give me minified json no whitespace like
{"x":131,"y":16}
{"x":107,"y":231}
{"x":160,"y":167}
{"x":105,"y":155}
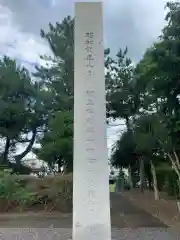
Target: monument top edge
{"x":88,"y":2}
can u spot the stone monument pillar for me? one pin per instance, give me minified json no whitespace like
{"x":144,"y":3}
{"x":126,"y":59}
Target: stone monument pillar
{"x":91,"y":204}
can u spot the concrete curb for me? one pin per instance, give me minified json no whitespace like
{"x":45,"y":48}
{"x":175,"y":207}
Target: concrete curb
{"x":30,"y":215}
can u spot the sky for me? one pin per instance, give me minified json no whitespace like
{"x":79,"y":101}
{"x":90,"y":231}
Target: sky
{"x":132,"y":23}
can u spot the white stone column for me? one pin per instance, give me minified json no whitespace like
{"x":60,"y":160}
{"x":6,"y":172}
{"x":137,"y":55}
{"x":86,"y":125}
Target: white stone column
{"x":91,"y":204}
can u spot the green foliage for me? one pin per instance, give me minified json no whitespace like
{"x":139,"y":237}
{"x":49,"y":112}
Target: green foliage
{"x":58,"y":78}
{"x":148,"y":135}
{"x":54,"y":193}
{"x":126,"y":185}
{"x":155,"y":117}
{"x":159,"y":69}
{"x":15,"y":92}
{"x":57,"y":143}
{"x":22,"y":109}
{"x":171,"y":185}
{"x":12,"y":191}
{"x":66,"y":196}
{"x":123,"y":153}
{"x":51,"y":193}
{"x":122,"y":95}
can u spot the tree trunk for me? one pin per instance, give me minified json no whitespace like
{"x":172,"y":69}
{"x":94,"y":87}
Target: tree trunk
{"x":177,"y":159}
{"x":141,"y":175}
{"x":130,"y":177}
{"x":20,"y":156}
{"x":174,"y":166}
{"x":6,"y":151}
{"x":127,"y":122}
{"x":148,"y":175}
{"x":155,"y":185}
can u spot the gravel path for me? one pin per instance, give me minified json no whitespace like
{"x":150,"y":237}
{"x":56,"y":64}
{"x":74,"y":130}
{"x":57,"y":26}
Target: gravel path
{"x":65,"y":234}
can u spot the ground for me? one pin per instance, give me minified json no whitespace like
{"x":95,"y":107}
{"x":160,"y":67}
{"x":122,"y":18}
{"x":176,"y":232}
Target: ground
{"x":128,"y":222}
{"x":166,"y":209}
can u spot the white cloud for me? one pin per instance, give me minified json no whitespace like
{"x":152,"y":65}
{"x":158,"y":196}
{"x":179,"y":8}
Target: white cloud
{"x":25,"y":47}
{"x":132,"y":23}
{"x":114,"y":132}
{"x":53,"y":3}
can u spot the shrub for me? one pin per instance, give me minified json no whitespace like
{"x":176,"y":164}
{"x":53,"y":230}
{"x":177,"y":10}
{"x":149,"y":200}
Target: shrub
{"x":13,"y":193}
{"x":51,"y":193}
{"x":54,"y":192}
{"x":171,"y":184}
{"x":65,"y":196}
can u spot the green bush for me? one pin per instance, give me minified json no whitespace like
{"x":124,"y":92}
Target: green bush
{"x":50,"y":193}
{"x":55,"y":193}
{"x":65,"y":196}
{"x":171,"y":184}
{"x":127,"y":185}
{"x":13,"y":193}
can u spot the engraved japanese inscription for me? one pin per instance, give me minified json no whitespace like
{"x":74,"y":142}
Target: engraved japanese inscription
{"x":90,"y":98}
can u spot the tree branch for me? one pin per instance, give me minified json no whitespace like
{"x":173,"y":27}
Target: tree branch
{"x":20,"y":156}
